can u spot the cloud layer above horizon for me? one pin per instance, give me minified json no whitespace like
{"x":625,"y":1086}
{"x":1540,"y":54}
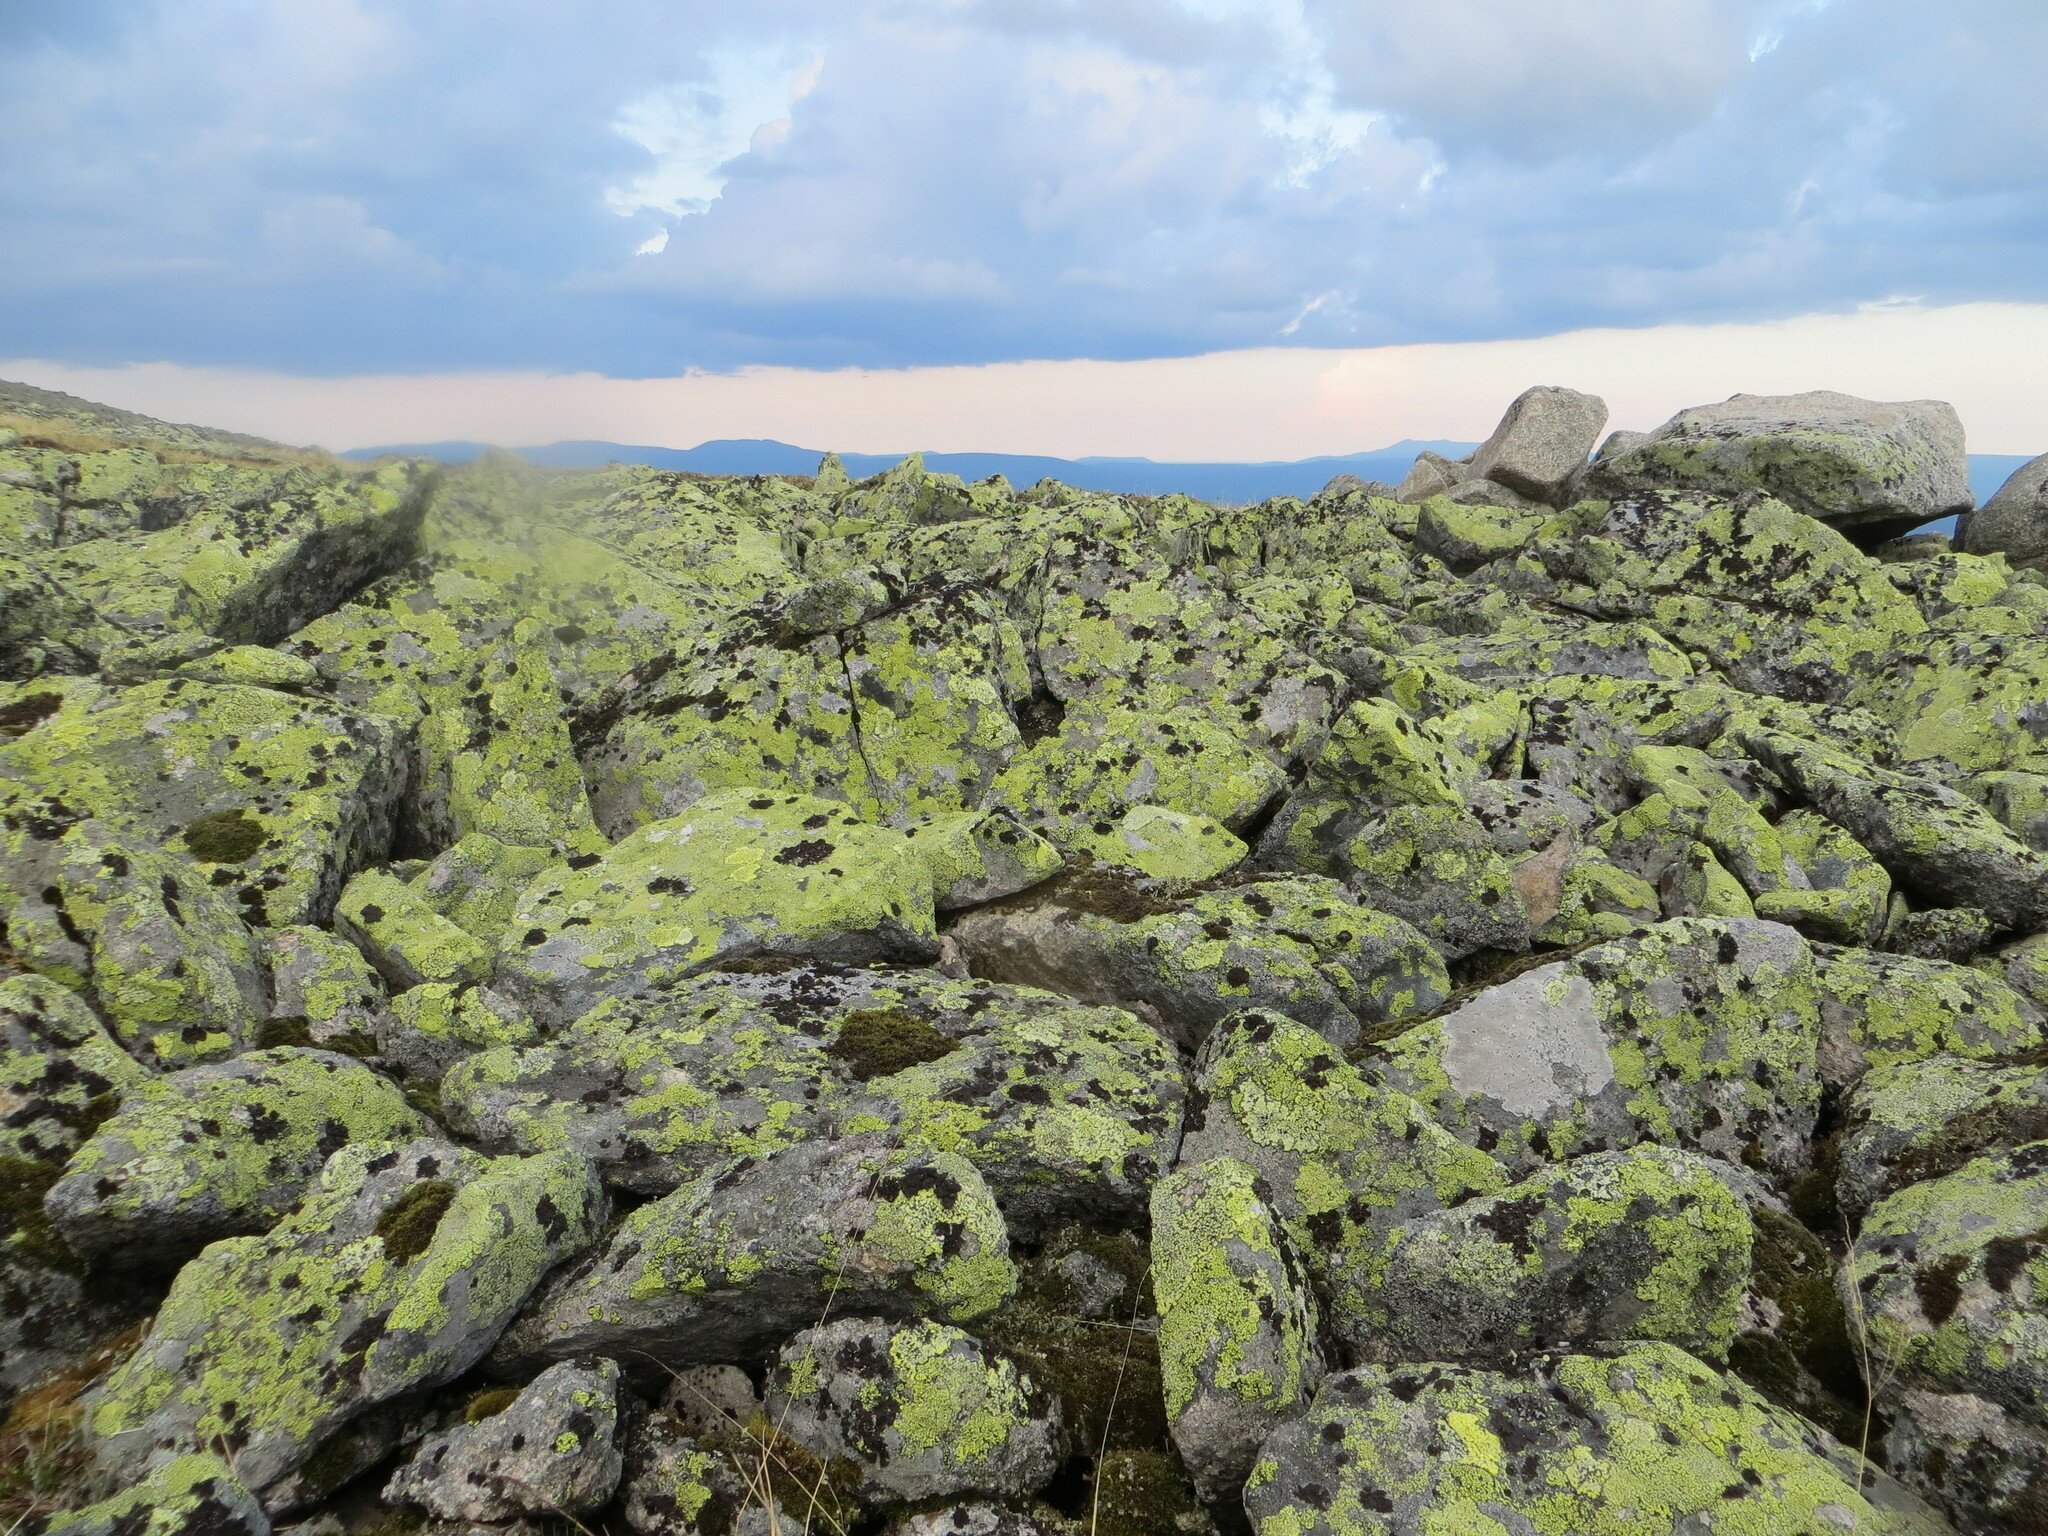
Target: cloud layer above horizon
{"x":345,"y":186}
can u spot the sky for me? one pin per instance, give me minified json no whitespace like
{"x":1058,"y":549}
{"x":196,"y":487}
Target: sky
{"x":1255,"y":228}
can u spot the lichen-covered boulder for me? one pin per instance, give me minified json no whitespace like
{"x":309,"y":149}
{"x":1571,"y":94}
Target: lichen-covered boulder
{"x":979,"y":856}
{"x":1104,"y":759}
{"x":433,"y":1026}
{"x":323,"y":993}
{"x":1643,"y":1244}
{"x":1923,"y":1119}
{"x":253,"y":567}
{"x":401,"y":934}
{"x":743,"y":872}
{"x":174,"y":970}
{"x":1985,"y":1466}
{"x":1639,"y":1439}
{"x":1698,"y":567}
{"x":905,"y":713}
{"x":1064,"y":1109}
{"x":1949,"y":1276}
{"x":1172,"y":846}
{"x":1700,"y":1034}
{"x":1931,"y":838}
{"x":1294,"y":946}
{"x":1879,"y":1010}
{"x":922,"y":1410}
{"x":396,"y":1273}
{"x":218,"y":1151}
{"x":553,"y":1450}
{"x":1238,"y":1322}
{"x":192,"y":1495}
{"x":1876,"y":467}
{"x":272,"y":799}
{"x":475,"y":882}
{"x":1342,"y":1159}
{"x":61,"y":1075}
{"x":750,"y":1251}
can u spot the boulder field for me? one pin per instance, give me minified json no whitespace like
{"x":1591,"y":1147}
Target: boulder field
{"x":1510,"y":1005}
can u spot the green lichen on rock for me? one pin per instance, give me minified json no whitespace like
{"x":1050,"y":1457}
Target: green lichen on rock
{"x":1644,"y":1244}
{"x":1947,"y":1274}
{"x":743,"y":871}
{"x":216,"y":1151}
{"x":750,"y":1250}
{"x":1238,"y":1323}
{"x":1696,"y":1033}
{"x":277,"y":1342}
{"x":192,"y":1495}
{"x":922,"y":1410}
{"x":1879,"y":1010}
{"x":1640,"y":1438}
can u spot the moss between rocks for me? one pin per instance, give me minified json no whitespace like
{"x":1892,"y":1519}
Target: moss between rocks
{"x":1810,"y":1347}
{"x":488,"y":1404}
{"x":876,"y":1042}
{"x":224,"y":837}
{"x":23,"y":1183}
{"x":409,"y":1222}
{"x":1142,"y":1493}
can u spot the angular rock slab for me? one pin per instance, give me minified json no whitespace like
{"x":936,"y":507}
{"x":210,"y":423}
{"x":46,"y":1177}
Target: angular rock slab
{"x":922,"y":1410}
{"x":1951,"y":1276}
{"x":1644,"y":1440}
{"x":2014,"y":522}
{"x":1643,"y":1244}
{"x":553,"y":1450}
{"x":1697,"y":1033}
{"x":276,"y":799}
{"x":396,"y":1273}
{"x":753,"y":1249}
{"x":743,"y":872}
{"x":195,"y":1495}
{"x":1542,"y":441}
{"x":218,"y":1151}
{"x":1295,"y":946}
{"x":1238,"y":1322}
{"x":1066,"y":1110}
{"x":1877,"y":467}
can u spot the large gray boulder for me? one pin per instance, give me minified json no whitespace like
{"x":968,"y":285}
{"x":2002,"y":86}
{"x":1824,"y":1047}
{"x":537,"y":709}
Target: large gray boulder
{"x":1616,"y":1440}
{"x":553,"y":1450}
{"x":923,"y":1411}
{"x":1541,"y":442}
{"x":1875,"y":467}
{"x":2013,"y":523}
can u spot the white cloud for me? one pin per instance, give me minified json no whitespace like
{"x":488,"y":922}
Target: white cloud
{"x":695,"y":129}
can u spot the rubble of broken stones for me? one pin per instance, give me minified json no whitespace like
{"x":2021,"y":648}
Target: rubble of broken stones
{"x":628,"y":1001}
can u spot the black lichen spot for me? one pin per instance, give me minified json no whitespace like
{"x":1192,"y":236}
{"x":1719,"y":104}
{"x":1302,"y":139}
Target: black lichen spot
{"x":811,"y":850}
{"x":1940,"y":1288}
{"x":26,"y":713}
{"x":224,"y":837}
{"x":874,"y":1042}
{"x":409,"y":1222}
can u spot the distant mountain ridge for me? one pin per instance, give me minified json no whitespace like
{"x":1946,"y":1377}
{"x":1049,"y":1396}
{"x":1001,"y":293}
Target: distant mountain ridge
{"x":1223,"y":482}
{"x":1220,"y":482}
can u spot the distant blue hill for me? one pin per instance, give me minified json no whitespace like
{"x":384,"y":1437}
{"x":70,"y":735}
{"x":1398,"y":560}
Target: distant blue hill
{"x":1143,"y":477}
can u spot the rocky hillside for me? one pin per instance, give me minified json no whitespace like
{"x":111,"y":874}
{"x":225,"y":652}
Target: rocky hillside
{"x":621,"y":1001}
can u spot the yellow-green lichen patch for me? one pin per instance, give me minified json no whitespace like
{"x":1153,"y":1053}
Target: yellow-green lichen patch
{"x":746,"y":870}
{"x":1618,"y":1443}
{"x":218,"y":1150}
{"x":922,"y":1410}
{"x":1237,"y":1322}
{"x":278,"y":1342}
